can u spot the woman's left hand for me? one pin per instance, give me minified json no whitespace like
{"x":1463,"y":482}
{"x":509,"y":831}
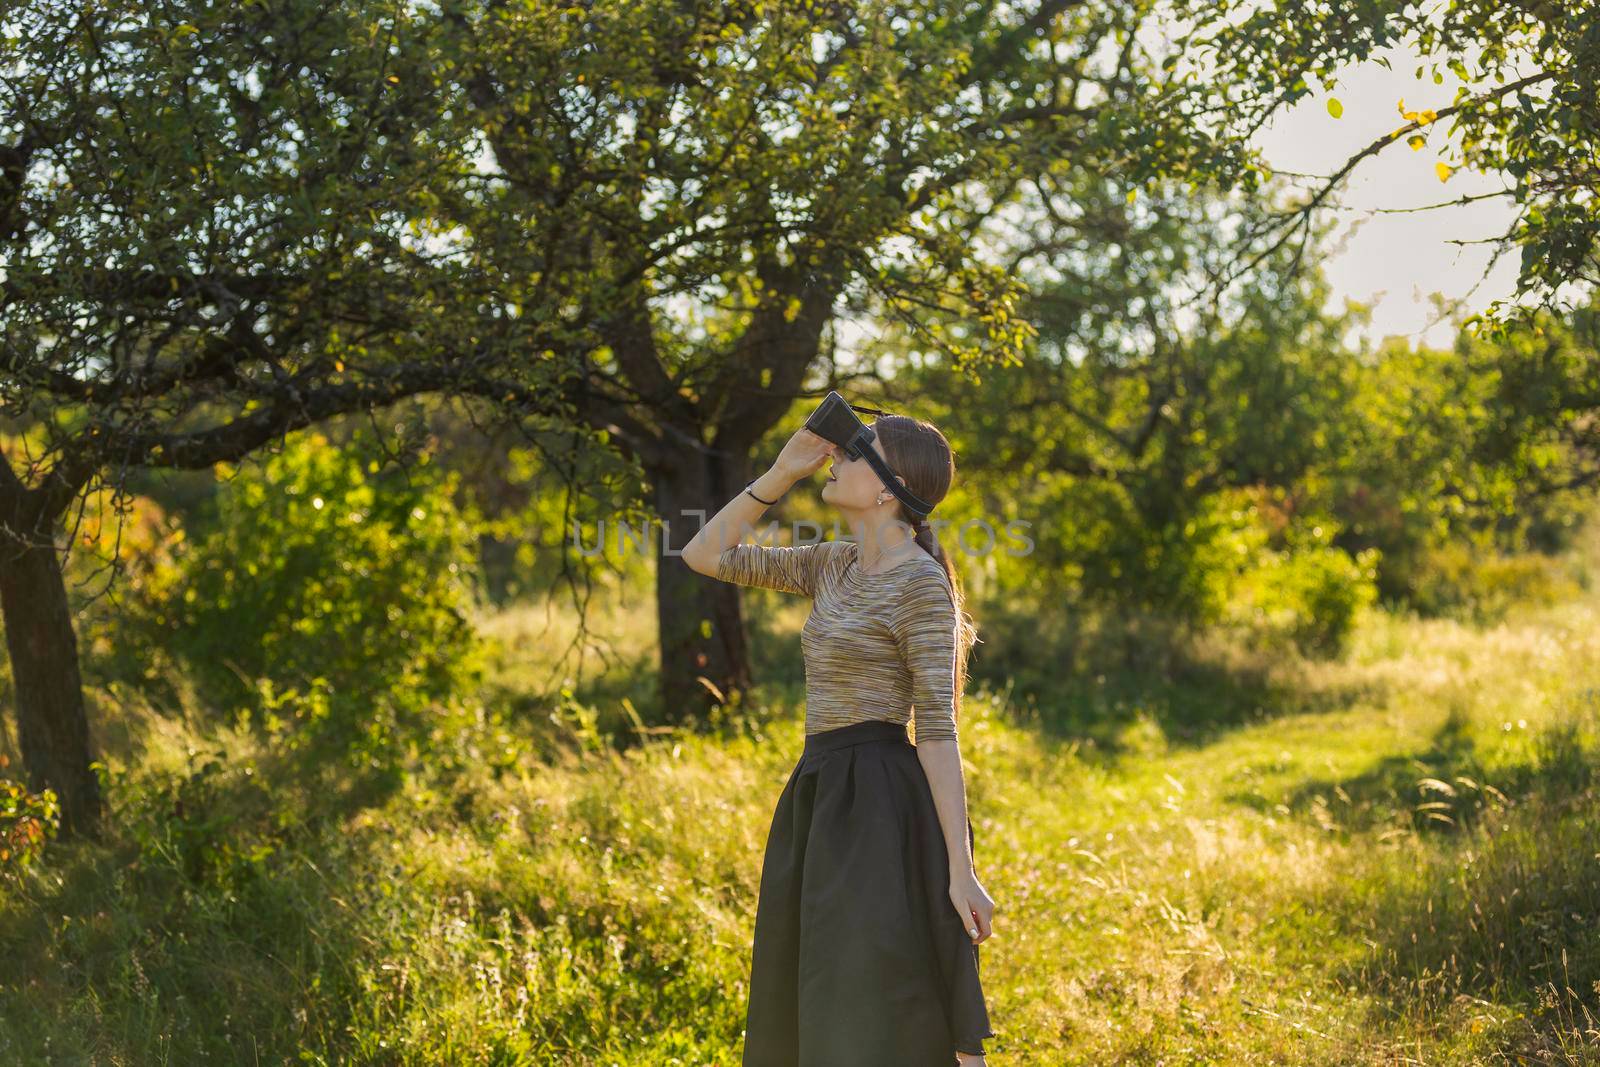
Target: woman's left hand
{"x":973,"y":905}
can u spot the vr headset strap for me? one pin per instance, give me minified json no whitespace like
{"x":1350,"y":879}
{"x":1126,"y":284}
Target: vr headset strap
{"x":914,"y":503}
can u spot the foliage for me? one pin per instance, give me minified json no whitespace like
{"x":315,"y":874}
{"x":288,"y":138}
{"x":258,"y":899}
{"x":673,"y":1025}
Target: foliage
{"x":1530,"y":109}
{"x":1543,"y":434}
{"x":324,"y":583}
{"x":1145,"y":415}
{"x":220,"y":228}
{"x":27,"y":822}
{"x":1285,"y":580}
{"x":1527,"y":106}
{"x":1460,"y":581}
{"x":1146,"y":397}
{"x":1481,"y":446}
{"x":265,"y":215}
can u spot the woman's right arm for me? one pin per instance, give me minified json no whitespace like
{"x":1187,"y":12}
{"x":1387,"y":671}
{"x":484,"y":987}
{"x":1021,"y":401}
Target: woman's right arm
{"x":804,"y":453}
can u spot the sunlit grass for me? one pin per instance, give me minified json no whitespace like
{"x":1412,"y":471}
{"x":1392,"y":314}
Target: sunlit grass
{"x":1389,"y":858}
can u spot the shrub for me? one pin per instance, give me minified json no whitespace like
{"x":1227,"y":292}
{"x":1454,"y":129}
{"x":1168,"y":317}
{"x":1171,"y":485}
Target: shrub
{"x":317,"y":576}
{"x":1279,"y":575}
{"x":27,"y":821}
{"x":1480,"y":585}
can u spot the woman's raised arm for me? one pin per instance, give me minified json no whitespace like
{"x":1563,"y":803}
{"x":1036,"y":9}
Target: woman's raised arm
{"x":802,"y":455}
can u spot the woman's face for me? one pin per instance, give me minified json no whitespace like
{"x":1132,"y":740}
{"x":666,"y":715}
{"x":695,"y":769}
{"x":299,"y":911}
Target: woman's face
{"x":852,"y":483}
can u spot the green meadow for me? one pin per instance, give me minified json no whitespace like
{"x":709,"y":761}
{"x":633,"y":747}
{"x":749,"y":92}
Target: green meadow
{"x":1247,"y":356}
{"x":1384,"y":857}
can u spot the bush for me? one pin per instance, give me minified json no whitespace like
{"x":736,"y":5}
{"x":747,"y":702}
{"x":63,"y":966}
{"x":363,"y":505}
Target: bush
{"x":316,"y":578}
{"x":27,"y":821}
{"x":1279,"y":575}
{"x":1480,"y":585}
{"x":1310,"y":597}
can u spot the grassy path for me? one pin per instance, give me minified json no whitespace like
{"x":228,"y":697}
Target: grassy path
{"x":1391,"y":878}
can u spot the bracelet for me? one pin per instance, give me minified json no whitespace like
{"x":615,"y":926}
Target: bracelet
{"x":768,"y":503}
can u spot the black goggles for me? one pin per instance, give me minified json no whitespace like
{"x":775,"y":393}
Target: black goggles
{"x":835,"y":420}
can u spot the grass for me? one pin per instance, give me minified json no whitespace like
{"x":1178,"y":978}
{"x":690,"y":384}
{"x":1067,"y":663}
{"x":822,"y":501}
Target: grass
{"x":1387,"y":859}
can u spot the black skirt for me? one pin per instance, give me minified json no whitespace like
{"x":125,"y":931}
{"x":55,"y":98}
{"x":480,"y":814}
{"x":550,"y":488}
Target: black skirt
{"x":860,"y":959}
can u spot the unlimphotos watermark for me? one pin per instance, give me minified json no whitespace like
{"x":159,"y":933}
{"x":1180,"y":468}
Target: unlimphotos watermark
{"x":974,"y":537}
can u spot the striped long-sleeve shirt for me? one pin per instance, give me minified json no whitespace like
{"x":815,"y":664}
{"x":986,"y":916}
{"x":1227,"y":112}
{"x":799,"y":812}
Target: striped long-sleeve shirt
{"x":876,"y":646}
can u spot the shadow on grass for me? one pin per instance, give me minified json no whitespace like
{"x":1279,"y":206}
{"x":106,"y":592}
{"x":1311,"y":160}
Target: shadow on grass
{"x":1494,"y":904}
{"x":1440,"y":787}
{"x":218,"y":921}
{"x":1505,"y":916}
{"x":1447,"y":788}
{"x":1144,"y":687}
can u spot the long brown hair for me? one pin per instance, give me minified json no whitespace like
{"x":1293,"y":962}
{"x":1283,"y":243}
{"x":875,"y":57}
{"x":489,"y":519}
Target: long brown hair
{"x":921,"y":455}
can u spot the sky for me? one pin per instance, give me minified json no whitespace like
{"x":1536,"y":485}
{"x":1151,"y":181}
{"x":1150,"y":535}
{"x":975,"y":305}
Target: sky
{"x":1390,"y":260}
{"x":1393,"y":262}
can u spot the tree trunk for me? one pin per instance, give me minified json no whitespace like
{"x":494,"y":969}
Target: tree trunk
{"x":701,"y":622}
{"x":52,"y":725}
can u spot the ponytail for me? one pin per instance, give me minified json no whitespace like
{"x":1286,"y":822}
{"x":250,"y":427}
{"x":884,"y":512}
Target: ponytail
{"x":924,"y":460}
{"x":966,"y":629}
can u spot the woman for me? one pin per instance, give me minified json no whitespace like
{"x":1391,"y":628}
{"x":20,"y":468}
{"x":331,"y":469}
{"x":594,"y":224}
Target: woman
{"x":870,"y":913}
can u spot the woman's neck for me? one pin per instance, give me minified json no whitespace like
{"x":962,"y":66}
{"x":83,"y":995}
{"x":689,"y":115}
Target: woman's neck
{"x":881,"y":544}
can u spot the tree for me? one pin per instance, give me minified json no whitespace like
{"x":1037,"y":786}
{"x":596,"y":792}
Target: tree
{"x":743,"y":171}
{"x":1545,"y":429}
{"x":1528,"y":109}
{"x":637,"y":221}
{"x":1150,"y":393}
{"x":214,"y":230}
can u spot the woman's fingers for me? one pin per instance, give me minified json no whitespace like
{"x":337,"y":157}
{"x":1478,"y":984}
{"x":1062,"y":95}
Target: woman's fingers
{"x":969,"y":920}
{"x":977,"y":914}
{"x":985,"y":915}
{"x":817,"y":450}
{"x":803,"y":453}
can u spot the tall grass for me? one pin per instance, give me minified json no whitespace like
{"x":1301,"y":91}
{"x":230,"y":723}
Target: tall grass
{"x":1229,"y":858}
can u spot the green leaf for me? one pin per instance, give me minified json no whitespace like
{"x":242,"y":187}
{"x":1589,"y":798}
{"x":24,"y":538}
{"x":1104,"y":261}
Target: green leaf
{"x":1334,"y":107}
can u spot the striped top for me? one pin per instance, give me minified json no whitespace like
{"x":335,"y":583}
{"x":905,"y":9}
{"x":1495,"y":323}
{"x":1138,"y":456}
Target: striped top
{"x":877,"y":646}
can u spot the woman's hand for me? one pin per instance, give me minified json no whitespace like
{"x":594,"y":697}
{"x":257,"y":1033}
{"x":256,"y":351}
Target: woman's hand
{"x":803,"y":454}
{"x":973,"y":905}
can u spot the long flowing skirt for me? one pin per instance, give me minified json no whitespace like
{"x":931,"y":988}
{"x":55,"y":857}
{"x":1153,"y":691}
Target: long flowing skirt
{"x":859,"y":958}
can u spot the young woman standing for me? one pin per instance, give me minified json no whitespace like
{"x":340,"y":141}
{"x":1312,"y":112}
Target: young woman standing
{"x":870,"y":912}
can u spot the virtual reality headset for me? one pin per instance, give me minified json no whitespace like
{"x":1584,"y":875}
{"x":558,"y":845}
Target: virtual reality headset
{"x":835,"y":420}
